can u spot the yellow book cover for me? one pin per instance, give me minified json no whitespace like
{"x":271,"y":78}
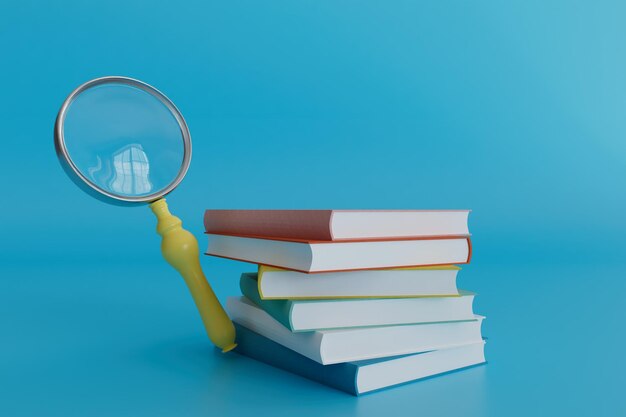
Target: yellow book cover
{"x":408,"y":282}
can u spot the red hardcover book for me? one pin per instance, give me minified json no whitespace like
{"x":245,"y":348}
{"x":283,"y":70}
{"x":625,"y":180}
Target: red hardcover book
{"x":335,"y":225}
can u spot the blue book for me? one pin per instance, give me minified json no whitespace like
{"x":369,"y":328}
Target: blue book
{"x":364,"y":376}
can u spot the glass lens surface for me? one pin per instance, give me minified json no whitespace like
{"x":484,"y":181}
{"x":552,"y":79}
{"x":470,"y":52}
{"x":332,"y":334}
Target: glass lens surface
{"x":124,"y":140}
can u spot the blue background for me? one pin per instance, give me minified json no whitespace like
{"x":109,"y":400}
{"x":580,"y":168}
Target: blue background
{"x":513,"y":109}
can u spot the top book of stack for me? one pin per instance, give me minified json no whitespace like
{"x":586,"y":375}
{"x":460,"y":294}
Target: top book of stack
{"x":337,"y":225}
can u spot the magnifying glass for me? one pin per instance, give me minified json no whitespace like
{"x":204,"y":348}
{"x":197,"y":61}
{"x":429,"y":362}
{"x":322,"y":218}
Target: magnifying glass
{"x":124,"y":142}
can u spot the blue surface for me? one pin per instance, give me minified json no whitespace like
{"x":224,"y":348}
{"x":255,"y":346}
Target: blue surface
{"x":515,"y":110}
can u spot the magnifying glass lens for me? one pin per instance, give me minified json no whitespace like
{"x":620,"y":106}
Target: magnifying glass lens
{"x":123,"y":140}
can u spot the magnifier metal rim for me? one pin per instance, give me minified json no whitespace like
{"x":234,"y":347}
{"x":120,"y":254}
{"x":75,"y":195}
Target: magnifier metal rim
{"x":63,"y":154}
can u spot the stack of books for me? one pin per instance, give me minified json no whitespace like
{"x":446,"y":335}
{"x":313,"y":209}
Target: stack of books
{"x":359,"y":300}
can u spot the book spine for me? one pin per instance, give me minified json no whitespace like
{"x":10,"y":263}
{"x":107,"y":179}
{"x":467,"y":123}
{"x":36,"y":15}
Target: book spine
{"x":278,"y":309}
{"x":340,"y":376}
{"x":286,"y":224}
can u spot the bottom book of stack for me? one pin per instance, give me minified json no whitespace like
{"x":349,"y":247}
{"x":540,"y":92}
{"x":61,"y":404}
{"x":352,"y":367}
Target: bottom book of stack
{"x":360,"y":359}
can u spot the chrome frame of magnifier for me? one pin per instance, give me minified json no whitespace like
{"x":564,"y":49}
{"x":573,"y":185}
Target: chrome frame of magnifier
{"x":83,"y":182}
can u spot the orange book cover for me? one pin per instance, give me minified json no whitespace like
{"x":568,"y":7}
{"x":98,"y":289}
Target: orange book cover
{"x":318,"y":242}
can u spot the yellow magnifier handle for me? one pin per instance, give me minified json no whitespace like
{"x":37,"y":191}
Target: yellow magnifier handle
{"x":180,"y":249}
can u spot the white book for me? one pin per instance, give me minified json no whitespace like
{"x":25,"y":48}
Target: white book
{"x":315,"y":256}
{"x":277,"y":283}
{"x":356,"y":344}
